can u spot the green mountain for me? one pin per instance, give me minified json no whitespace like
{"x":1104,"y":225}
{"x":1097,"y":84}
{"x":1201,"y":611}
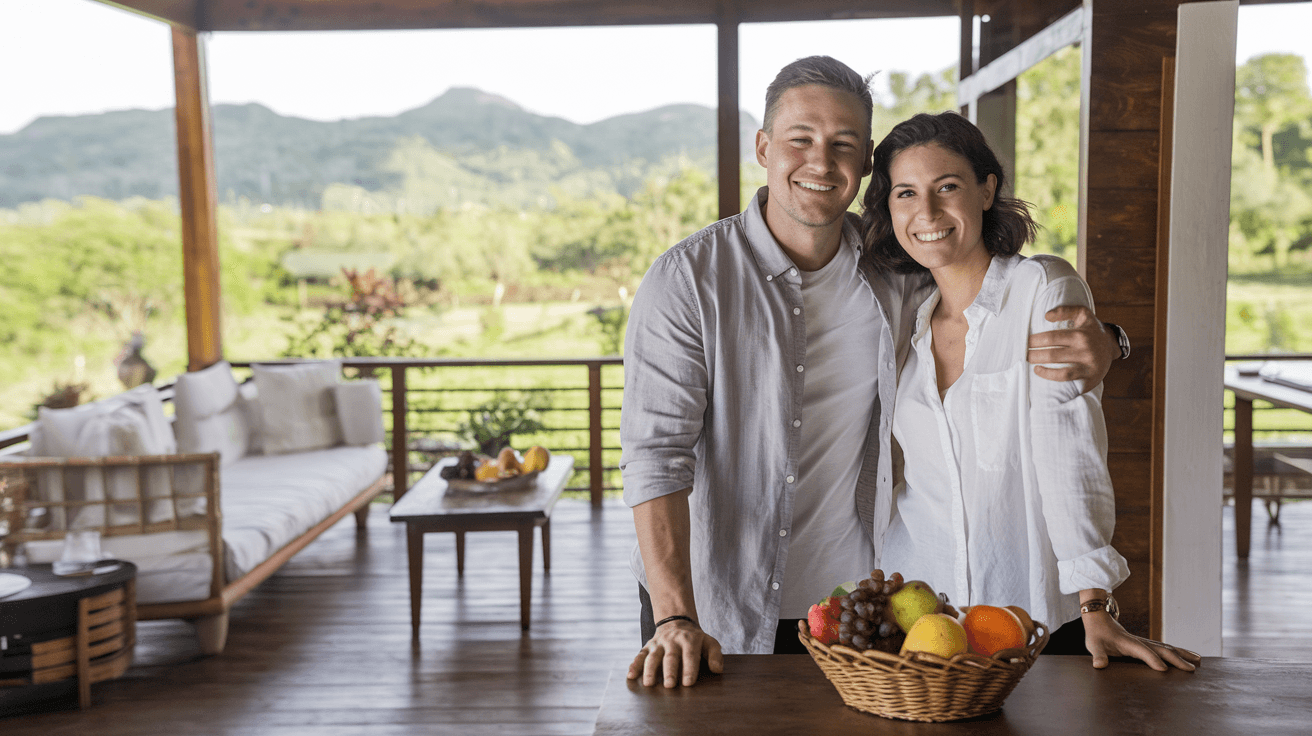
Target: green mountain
{"x":466,"y":147}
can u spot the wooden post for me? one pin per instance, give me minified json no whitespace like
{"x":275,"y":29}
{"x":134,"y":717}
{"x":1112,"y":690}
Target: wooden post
{"x":1243,"y":475}
{"x":198,"y":200}
{"x":1120,"y":179}
{"x":966,"y":62}
{"x":730,"y":182}
{"x":1158,"y":511}
{"x":400,"y":453}
{"x":596,"y":473}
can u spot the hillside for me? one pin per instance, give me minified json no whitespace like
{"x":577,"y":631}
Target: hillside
{"x":465,"y":147}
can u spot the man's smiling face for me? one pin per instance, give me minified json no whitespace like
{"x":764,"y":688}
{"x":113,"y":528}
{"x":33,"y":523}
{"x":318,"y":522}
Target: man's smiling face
{"x":815,"y":154}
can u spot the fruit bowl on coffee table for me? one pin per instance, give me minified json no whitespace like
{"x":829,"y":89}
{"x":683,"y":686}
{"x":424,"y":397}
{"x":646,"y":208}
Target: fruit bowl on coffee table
{"x":919,"y":686}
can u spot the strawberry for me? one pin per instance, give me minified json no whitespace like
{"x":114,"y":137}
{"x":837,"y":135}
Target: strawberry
{"x":823,"y":619}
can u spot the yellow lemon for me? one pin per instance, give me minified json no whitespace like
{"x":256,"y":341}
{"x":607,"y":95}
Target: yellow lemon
{"x":536,"y":458}
{"x":486,"y":472}
{"x":936,"y":633}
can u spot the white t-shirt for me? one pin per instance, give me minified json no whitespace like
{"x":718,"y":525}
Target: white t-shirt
{"x":828,"y":545}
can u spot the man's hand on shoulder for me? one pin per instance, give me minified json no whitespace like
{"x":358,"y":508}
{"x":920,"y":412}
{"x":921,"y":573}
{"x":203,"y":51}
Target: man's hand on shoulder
{"x":1085,"y":347}
{"x":675,"y":652}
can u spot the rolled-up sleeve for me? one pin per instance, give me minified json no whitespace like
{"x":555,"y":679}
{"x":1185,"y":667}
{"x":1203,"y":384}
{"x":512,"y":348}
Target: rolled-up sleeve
{"x":1069,"y":439}
{"x":665,"y":385}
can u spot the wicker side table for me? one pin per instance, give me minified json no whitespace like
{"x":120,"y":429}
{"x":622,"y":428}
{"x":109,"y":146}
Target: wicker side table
{"x":68,"y":628}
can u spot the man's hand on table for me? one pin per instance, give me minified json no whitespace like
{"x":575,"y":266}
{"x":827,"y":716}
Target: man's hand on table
{"x":675,"y":651}
{"x":1087,"y":348}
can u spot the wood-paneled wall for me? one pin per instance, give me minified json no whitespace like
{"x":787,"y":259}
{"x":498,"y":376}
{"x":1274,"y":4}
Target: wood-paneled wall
{"x":1125,"y":44}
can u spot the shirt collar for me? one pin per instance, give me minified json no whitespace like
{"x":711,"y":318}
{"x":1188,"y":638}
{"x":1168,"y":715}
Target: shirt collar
{"x":770,"y":257}
{"x":995,"y":283}
{"x":989,"y":298}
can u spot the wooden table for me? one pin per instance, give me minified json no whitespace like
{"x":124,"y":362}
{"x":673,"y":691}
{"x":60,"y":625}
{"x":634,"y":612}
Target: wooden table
{"x":788,"y":694}
{"x":1247,"y":389}
{"x":431,"y":507}
{"x":80,"y":628}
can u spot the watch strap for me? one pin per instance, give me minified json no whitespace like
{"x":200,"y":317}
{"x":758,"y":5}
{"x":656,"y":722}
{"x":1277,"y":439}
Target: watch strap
{"x":1107,"y":604}
{"x":1122,"y":339}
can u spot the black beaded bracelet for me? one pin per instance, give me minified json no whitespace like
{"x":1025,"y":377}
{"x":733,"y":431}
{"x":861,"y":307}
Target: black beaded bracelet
{"x":668,"y":619}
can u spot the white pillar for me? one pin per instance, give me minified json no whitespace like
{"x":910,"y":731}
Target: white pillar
{"x":1195,"y":315}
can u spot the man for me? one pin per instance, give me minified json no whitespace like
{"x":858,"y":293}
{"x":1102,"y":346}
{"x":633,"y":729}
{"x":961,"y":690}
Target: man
{"x":760,"y":377}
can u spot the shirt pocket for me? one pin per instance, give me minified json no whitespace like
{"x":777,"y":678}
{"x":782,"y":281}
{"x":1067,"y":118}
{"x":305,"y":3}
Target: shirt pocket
{"x":993,"y":419}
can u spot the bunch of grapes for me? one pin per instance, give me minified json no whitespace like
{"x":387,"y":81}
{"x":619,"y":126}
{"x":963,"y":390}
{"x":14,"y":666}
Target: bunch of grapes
{"x":866,"y":622}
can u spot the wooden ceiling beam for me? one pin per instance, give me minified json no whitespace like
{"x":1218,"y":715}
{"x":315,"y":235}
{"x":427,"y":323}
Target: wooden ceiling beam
{"x":359,"y":15}
{"x":184,"y":14}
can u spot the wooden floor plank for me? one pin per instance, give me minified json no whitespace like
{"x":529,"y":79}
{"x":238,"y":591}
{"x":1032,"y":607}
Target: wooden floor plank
{"x":324,"y":645}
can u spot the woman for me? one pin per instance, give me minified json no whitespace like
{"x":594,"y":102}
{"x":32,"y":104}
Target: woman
{"x":1005,"y":496}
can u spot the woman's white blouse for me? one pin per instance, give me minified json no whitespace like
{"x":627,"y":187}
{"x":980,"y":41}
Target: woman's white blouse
{"x":1003,"y":497}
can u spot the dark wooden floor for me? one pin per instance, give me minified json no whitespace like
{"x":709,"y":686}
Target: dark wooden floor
{"x":324,"y":647}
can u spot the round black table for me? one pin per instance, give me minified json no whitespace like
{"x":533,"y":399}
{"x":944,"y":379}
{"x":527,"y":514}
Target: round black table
{"x":60,"y":628}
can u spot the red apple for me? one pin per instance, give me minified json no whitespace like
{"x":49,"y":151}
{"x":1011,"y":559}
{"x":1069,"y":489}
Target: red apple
{"x":823,"y":619}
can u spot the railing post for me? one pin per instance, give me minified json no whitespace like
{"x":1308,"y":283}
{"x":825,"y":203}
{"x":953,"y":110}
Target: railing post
{"x":400,"y":455}
{"x":595,"y":471}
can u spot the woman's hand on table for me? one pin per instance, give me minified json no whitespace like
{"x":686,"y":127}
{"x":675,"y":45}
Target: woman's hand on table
{"x":1105,"y":637}
{"x":675,"y":651}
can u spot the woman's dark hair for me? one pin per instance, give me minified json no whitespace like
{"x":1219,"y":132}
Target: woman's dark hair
{"x":1007,"y":224}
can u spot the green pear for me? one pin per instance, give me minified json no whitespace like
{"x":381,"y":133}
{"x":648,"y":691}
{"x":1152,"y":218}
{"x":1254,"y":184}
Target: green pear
{"x":914,"y":600}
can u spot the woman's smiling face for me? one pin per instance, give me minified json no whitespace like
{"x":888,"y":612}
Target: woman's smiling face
{"x":937,"y":206}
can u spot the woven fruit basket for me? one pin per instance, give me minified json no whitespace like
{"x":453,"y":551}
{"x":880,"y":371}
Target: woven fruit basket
{"x":920,"y":686}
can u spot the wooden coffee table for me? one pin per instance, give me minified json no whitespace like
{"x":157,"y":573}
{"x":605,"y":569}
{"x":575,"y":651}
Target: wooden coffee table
{"x":431,"y":507}
{"x":80,"y":628}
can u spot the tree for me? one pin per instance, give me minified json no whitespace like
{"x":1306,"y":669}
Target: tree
{"x":1271,"y":93}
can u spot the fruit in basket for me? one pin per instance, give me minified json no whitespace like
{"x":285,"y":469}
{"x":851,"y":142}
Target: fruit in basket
{"x":865,"y":622}
{"x":991,"y":629}
{"x":1024,"y":617}
{"x":487,"y":472}
{"x":914,"y":600}
{"x":823,"y":619}
{"x":507,"y":463}
{"x":936,"y":633}
{"x":536,"y":459}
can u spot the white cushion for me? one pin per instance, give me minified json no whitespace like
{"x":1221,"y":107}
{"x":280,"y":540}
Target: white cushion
{"x":208,"y":416}
{"x":269,"y":500}
{"x":360,"y":412}
{"x":298,"y":406}
{"x":131,"y":423}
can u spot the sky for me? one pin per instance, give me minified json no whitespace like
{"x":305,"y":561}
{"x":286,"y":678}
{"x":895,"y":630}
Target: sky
{"x":70,"y":57}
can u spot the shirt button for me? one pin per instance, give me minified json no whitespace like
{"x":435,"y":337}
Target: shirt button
{"x":789,"y":479}
{"x":797,"y":310}
{"x":792,"y":271}
{"x":889,"y":365}
{"x":768,"y":277}
{"x":783,"y":532}
{"x":799,"y":369}
{"x":774,"y":586}
{"x":797,"y":422}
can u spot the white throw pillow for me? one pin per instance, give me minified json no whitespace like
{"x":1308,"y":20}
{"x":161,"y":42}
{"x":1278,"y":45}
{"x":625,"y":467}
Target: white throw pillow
{"x":131,"y":423}
{"x":209,"y":418}
{"x":298,"y":406}
{"x":248,"y":398}
{"x":360,"y":412}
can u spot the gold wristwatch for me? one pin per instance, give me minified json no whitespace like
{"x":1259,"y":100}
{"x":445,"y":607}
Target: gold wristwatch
{"x":1107,"y":604}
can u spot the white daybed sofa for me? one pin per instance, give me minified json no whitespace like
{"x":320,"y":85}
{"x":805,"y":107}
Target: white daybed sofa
{"x":247,"y":476}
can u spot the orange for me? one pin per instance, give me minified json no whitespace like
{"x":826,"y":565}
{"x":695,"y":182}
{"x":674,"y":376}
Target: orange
{"x":991,"y":629}
{"x":486,"y":472}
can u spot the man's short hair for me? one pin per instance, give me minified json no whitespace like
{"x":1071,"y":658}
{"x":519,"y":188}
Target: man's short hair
{"x":825,"y":71}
